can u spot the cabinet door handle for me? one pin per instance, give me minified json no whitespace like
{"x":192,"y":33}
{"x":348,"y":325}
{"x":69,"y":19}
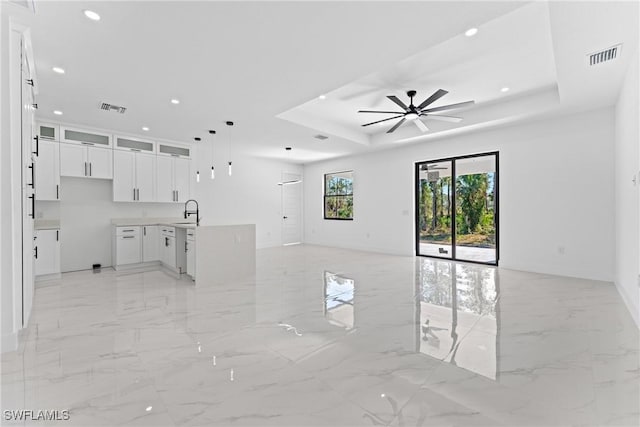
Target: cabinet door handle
{"x":128,"y":237}
{"x":166,"y":241}
{"x":29,"y":82}
{"x":57,"y":235}
{"x":128,"y":230}
{"x":134,"y":194}
{"x":37,"y":145}
{"x":57,"y":191}
{"x":177,"y":195}
{"x":85,"y":168}
{"x":33,"y":180}
{"x":89,"y":168}
{"x":144,"y":231}
{"x":185,"y":246}
{"x":36,"y":249}
{"x":33,"y":206}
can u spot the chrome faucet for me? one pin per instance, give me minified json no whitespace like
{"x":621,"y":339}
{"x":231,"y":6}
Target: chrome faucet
{"x":188,"y":213}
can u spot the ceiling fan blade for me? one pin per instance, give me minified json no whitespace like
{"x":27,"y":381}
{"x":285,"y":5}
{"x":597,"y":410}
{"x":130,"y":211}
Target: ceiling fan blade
{"x":387,"y":112}
{"x":450,"y":119}
{"x":450,"y":106}
{"x":398,"y":102}
{"x":433,"y":98}
{"x":396,"y":126}
{"x":421,"y":125}
{"x":383,"y":120}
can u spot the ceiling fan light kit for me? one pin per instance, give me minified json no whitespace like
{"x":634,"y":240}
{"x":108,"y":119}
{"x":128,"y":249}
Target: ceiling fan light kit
{"x":412,"y":113}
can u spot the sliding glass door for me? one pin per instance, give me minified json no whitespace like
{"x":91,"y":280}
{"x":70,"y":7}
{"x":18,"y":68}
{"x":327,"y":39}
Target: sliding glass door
{"x":457,"y":208}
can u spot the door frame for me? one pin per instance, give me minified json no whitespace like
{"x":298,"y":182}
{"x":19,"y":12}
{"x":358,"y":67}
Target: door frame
{"x":291,"y":178}
{"x":496,"y":204}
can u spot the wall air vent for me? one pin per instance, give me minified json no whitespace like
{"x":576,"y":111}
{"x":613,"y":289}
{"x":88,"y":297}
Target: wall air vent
{"x":606,"y":55}
{"x":321,"y":137}
{"x":110,"y":107}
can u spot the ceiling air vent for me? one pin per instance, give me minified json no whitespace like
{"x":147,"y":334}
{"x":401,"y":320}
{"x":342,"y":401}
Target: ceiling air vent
{"x":605,"y":55}
{"x":110,"y":107}
{"x":321,"y":137}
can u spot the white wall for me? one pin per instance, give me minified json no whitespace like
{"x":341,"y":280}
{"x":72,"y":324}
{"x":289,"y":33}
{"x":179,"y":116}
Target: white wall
{"x":85,"y":211}
{"x":250,"y":196}
{"x":627,"y":166}
{"x":556,"y":178}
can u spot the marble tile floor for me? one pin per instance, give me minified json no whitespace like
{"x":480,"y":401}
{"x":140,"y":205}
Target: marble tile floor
{"x":329,"y":337}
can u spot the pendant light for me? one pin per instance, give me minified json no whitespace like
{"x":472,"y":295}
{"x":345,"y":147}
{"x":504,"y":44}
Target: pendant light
{"x":213,"y":170}
{"x":197,"y":139}
{"x":229,"y":123}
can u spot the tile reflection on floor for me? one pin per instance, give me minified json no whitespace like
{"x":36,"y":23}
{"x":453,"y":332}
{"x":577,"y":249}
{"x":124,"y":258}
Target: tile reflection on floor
{"x":325,"y":336}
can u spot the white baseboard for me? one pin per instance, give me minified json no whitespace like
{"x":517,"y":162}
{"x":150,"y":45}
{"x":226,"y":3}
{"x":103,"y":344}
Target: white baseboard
{"x":9,"y":342}
{"x":633,"y":309}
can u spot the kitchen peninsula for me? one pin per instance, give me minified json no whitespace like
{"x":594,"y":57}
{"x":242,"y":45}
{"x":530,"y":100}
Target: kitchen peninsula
{"x":209,"y":254}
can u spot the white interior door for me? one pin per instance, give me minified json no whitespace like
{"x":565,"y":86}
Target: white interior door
{"x":291,"y":209}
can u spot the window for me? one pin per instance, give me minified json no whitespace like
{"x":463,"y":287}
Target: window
{"x":338,"y":195}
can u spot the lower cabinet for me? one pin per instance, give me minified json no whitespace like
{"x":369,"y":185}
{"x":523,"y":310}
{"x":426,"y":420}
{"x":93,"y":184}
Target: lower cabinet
{"x":168,"y":247}
{"x":150,"y":243}
{"x":47,"y":252}
{"x":136,"y":245}
{"x":128,"y":246}
{"x":190,"y":248}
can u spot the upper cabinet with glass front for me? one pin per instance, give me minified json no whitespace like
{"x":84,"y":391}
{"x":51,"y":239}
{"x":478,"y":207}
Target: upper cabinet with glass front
{"x":48,"y":131}
{"x":85,"y":137}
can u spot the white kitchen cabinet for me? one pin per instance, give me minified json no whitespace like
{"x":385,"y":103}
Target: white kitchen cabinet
{"x":79,"y":160}
{"x":128,"y":246}
{"x":191,"y":253}
{"x":47,"y":171}
{"x":150,"y":243}
{"x":48,"y":131}
{"x":85,"y":137}
{"x":133,"y":176}
{"x":182,"y":179}
{"x":47,"y":252}
{"x":172,"y":179}
{"x":168,"y":247}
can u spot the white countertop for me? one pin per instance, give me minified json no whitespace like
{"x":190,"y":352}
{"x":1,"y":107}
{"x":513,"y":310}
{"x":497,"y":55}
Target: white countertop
{"x":173,"y":222}
{"x":46,"y":224}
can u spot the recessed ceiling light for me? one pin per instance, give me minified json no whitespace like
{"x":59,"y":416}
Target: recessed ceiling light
{"x":57,"y":112}
{"x":175,"y":101}
{"x":148,"y":408}
{"x":471,"y":32}
{"x":58,"y":70}
{"x":323,"y":97}
{"x":144,"y":128}
{"x":504,"y":89}
{"x":91,"y":15}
